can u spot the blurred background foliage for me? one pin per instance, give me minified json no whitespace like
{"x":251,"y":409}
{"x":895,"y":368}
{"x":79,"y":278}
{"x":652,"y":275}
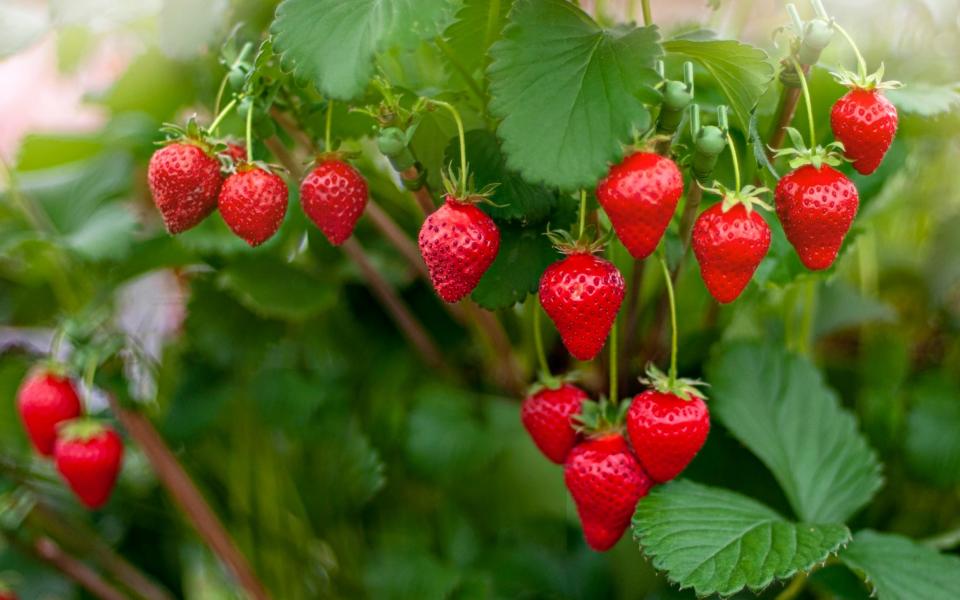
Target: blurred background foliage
{"x":341,"y":464}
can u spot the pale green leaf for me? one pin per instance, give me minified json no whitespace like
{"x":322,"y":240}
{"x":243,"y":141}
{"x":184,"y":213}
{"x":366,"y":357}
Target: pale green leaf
{"x":926,"y":99}
{"x":719,"y":542}
{"x":569,"y":92}
{"x":897,"y":568}
{"x":742,"y":71}
{"x":778,"y":406}
{"x":107,"y":233}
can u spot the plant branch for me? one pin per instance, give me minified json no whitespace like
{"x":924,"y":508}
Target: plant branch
{"x":786,"y":107}
{"x":422,"y":194}
{"x":185,"y":494}
{"x":49,"y":552}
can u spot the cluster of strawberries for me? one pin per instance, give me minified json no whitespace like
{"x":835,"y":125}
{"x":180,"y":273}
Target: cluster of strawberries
{"x":186,"y":179}
{"x":87,"y":453}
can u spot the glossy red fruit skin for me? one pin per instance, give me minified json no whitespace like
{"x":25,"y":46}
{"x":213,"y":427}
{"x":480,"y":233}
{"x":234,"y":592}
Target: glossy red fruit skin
{"x":816,"y":208}
{"x":548,"y":417}
{"x":729,"y":247}
{"x":236,"y":152}
{"x":582,"y":294}
{"x":640,"y":196}
{"x":606,"y":482}
{"x":184,"y":182}
{"x":459,"y":242}
{"x":253,"y":203}
{"x":90,"y":467}
{"x":333,"y":196}
{"x":44,"y":401}
{"x":666,"y":432}
{"x":865,"y":122}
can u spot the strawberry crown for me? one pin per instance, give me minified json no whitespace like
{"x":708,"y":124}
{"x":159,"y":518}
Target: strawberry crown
{"x":597,"y":418}
{"x":547,"y":381}
{"x":831,"y":154}
{"x":192,"y":133}
{"x":566,"y":244}
{"x":863,"y":81}
{"x":81,"y":430}
{"x":466,"y":192}
{"x":685,"y":389}
{"x":748,"y":196}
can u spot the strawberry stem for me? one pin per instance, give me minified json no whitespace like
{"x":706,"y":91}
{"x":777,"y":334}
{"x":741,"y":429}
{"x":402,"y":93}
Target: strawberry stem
{"x":647,"y":15}
{"x":538,"y":340}
{"x":806,"y":100}
{"x":221,"y":115}
{"x":250,"y":132}
{"x":326,"y":134}
{"x":861,"y":63}
{"x":673,"y":319}
{"x":226,"y":77}
{"x":613,"y":363}
{"x":583,"y":213}
{"x":463,"y":141}
{"x":736,"y":161}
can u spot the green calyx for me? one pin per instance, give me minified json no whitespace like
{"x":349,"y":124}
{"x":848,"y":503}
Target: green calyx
{"x":552,"y":382}
{"x":565,"y":243}
{"x":685,"y":389}
{"x":800,"y":155}
{"x":748,"y":196}
{"x":463,"y":189}
{"x":864,"y":81}
{"x":80,"y":430}
{"x":191,"y":134}
{"x":601,"y":417}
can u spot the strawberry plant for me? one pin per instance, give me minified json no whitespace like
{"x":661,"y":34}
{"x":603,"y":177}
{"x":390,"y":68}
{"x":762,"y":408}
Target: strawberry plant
{"x":480,"y":298}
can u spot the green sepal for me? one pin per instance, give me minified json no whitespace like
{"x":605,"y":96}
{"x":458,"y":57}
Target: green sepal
{"x":454,"y":186}
{"x":748,"y":196}
{"x":80,"y":430}
{"x":600,"y":417}
{"x":872,"y":81}
{"x":685,"y":389}
{"x":565,"y":243}
{"x":552,"y":382}
{"x":831,"y":154}
{"x":192,"y":133}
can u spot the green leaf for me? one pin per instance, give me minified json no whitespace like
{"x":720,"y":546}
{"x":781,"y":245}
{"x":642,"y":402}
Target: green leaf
{"x":742,"y":71}
{"x":273,"y":288}
{"x":840,"y":306}
{"x":475,"y":28}
{"x":932,"y":443}
{"x":570,"y":93}
{"x":332,"y":42}
{"x":108,"y":233}
{"x":778,"y":406}
{"x":513,"y":199}
{"x":524,"y":255}
{"x":926,"y":99}
{"x":898,"y":568}
{"x":718,"y":542}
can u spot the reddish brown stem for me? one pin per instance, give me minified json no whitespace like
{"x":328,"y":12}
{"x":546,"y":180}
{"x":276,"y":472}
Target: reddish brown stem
{"x":397,"y":237}
{"x":186,"y":495}
{"x":421,"y":194}
{"x":401,"y":315}
{"x":48,"y":551}
{"x":786,"y":108}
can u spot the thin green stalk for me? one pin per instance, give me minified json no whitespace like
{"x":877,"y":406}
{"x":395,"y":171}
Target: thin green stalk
{"x":223,"y":82}
{"x":668,"y":281}
{"x":463,"y":141}
{"x":796,"y":586}
{"x":861,"y":64}
{"x":736,"y":161}
{"x":221,"y":115}
{"x":538,"y":341}
{"x":326,"y":133}
{"x":250,"y":132}
{"x":583,"y":213}
{"x":806,"y":100}
{"x":647,"y":15}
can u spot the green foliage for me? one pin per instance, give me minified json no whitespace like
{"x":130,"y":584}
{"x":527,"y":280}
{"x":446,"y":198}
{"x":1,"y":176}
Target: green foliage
{"x":925,"y":99}
{"x":569,"y":92}
{"x":899,"y":569}
{"x":719,"y":542}
{"x":523,"y":256}
{"x":778,"y":411}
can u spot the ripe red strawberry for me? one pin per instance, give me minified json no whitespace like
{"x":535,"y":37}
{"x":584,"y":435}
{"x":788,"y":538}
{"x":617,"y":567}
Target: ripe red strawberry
{"x":334,"y":195}
{"x":548,"y":417}
{"x":459,"y":242}
{"x":816,"y":207}
{"x":667,"y":430}
{"x":729,"y":240}
{"x":582,"y":294}
{"x":606,"y":483}
{"x":6,"y":593}
{"x":235,"y":152}
{"x":253,"y":202}
{"x":640,"y":196}
{"x":88,"y":456}
{"x":184,"y":181}
{"x":865,"y":122}
{"x":44,"y":401}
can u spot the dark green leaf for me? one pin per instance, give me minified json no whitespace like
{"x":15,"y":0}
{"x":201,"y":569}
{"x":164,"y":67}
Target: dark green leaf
{"x":778,"y":406}
{"x":569,"y":92}
{"x":476,"y":27}
{"x":742,"y":71}
{"x":932,"y":443}
{"x":273,"y":288}
{"x":524,"y":255}
{"x":719,"y":542}
{"x":898,"y":568}
{"x":840,"y":306}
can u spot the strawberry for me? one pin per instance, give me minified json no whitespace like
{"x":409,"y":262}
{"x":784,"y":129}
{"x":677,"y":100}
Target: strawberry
{"x":667,"y":425}
{"x":334,"y":195}
{"x":459,"y":242}
{"x":640,"y":196}
{"x":548,"y":417}
{"x":44,"y":401}
{"x":606,"y":483}
{"x":816,"y":207}
{"x":865,"y":122}
{"x":184,"y":181}
{"x":253,"y":202}
{"x":88,"y":456}
{"x":729,"y":240}
{"x":582,"y":294}
{"x":235,"y":152}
